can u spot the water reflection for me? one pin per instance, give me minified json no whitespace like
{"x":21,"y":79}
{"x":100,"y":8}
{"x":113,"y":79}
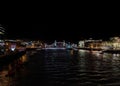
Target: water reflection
{"x":8,"y":73}
{"x":62,"y":68}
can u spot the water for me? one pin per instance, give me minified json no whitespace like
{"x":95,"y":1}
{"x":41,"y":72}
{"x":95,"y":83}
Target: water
{"x":62,"y":68}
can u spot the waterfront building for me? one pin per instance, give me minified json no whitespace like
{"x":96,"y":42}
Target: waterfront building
{"x":93,"y":43}
{"x":2,"y":43}
{"x":113,"y":43}
{"x":2,"y":32}
{"x":81,"y":44}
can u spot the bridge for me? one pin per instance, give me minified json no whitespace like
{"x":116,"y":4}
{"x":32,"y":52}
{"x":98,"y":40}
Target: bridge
{"x":58,"y":45}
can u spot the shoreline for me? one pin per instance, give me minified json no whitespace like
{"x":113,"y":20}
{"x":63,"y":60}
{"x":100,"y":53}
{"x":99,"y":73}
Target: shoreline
{"x":5,"y":59}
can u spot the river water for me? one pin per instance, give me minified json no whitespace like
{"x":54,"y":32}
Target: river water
{"x":62,"y":68}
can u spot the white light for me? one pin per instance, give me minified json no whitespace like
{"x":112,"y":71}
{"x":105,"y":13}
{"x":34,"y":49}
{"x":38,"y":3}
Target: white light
{"x":12,"y":49}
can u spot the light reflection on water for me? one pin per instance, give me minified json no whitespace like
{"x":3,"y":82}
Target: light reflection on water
{"x":61,"y":68}
{"x":8,"y":74}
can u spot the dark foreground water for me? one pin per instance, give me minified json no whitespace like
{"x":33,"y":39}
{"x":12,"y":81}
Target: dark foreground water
{"x":62,"y":68}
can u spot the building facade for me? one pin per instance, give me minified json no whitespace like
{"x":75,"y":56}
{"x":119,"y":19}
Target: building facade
{"x":2,"y":43}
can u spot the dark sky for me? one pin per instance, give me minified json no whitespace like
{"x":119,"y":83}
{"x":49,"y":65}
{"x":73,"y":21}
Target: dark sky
{"x":70,"y":32}
{"x":68,"y":24}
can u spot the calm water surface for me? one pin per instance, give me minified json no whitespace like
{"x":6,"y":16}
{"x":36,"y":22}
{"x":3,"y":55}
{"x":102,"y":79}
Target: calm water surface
{"x":62,"y":68}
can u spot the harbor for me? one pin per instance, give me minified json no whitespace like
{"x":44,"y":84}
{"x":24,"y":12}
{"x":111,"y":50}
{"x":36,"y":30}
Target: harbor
{"x":58,"y":61}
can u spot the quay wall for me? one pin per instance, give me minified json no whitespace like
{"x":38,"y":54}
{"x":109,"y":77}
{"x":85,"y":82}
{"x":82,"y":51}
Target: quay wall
{"x":5,"y":59}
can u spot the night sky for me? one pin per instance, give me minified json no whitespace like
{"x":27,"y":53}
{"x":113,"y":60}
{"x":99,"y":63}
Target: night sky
{"x":71,"y":24}
{"x":97,"y":25}
{"x":68,"y":32}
